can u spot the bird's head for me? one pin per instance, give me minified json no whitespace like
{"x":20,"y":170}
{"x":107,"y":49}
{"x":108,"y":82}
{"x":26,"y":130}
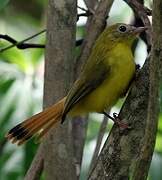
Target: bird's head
{"x":123,"y":32}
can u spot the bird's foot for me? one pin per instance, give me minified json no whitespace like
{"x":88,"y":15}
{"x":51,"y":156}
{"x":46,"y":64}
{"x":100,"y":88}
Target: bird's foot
{"x":118,"y":121}
{"x":138,"y":67}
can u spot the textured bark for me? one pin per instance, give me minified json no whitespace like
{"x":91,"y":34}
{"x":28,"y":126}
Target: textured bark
{"x":127,"y":154}
{"x":91,"y":3}
{"x":58,"y":146}
{"x":145,"y":156}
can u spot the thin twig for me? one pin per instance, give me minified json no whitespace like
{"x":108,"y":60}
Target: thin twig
{"x":37,"y":166}
{"x":86,"y":14}
{"x":18,"y":44}
{"x":81,"y":8}
{"x":91,"y":4}
{"x":78,"y":42}
{"x":135,"y":4}
{"x":143,"y":13}
{"x":22,"y":45}
{"x":98,"y":143}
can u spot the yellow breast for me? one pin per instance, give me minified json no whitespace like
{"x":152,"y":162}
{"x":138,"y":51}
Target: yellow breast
{"x":116,"y":83}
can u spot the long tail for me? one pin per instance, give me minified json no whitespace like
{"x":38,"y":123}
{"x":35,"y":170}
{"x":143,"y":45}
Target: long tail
{"x":37,"y":124}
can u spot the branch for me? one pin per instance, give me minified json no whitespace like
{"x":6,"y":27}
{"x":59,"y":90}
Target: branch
{"x":79,"y":131}
{"x":138,"y":6}
{"x":137,"y":22}
{"x":98,"y":143}
{"x":142,"y":13}
{"x":80,"y":124}
{"x":59,"y":158}
{"x":127,"y":154}
{"x":36,"y":168}
{"x":95,"y":27}
{"x":21,"y":44}
{"x":91,"y":5}
{"x":87,"y":13}
{"x":145,"y":155}
{"x":121,"y":148}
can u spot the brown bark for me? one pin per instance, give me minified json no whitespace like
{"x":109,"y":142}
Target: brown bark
{"x":91,"y":4}
{"x":127,"y":154}
{"x":58,"y":147}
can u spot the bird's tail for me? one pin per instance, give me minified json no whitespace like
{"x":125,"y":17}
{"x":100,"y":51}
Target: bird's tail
{"x":37,"y":124}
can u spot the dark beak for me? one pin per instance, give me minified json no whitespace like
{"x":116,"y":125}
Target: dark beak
{"x":138,"y":30}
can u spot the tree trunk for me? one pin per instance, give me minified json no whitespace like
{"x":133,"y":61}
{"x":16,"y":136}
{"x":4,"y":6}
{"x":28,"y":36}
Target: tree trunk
{"x":127,"y":154}
{"x":58,"y":146}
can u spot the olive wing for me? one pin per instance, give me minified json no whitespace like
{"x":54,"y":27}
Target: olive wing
{"x":89,"y":80}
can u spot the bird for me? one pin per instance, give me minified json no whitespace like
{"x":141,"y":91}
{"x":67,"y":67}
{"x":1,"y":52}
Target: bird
{"x":105,"y":77}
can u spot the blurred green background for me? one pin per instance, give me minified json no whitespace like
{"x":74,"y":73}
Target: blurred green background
{"x":21,"y":84}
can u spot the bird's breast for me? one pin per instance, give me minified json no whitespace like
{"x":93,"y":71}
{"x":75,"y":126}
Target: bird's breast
{"x":122,"y":69}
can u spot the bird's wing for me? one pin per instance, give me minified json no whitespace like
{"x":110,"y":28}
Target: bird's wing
{"x":89,"y":80}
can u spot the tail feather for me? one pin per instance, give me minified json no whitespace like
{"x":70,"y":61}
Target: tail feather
{"x":42,"y":121}
{"x":47,"y":127}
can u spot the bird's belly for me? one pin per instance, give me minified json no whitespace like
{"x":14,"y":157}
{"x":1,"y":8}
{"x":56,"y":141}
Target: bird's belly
{"x":106,"y":95}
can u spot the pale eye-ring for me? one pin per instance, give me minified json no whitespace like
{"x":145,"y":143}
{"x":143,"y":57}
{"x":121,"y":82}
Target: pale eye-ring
{"x":122,"y":28}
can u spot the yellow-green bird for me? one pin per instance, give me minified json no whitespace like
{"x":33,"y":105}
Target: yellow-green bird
{"x":104,"y":79}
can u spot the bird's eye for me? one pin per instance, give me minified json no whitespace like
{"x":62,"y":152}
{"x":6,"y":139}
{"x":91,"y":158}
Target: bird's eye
{"x":122,"y":28}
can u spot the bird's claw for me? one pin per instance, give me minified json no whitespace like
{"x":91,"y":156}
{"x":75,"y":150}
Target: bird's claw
{"x":121,"y":124}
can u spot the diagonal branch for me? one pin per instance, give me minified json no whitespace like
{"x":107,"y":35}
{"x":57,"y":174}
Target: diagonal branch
{"x":91,"y":5}
{"x":35,"y":170}
{"x":95,"y":28}
{"x":147,"y":148}
{"x":21,"y":44}
{"x":142,"y":13}
{"x":127,"y":154}
{"x":98,"y":143}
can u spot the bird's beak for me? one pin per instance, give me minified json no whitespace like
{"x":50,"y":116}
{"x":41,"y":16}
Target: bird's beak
{"x":138,"y":30}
